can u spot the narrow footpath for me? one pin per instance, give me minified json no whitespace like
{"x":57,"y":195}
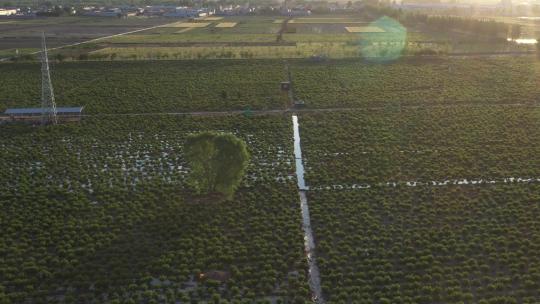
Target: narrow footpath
{"x":315,"y":110}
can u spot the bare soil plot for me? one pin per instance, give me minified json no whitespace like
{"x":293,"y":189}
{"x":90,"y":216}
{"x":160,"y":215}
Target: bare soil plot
{"x":209,"y":18}
{"x":364,"y":29}
{"x":226,"y":24}
{"x":187,"y":24}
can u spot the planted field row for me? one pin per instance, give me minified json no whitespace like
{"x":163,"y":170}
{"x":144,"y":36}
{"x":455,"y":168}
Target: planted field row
{"x":178,"y":86}
{"x":394,"y":220}
{"x":97,"y":212}
{"x":455,"y":244}
{"x":136,"y":87}
{"x":287,"y":51}
{"x":103,"y":153}
{"x":353,"y":83}
{"x":195,"y":35}
{"x":245,"y":29}
{"x":420,"y":145}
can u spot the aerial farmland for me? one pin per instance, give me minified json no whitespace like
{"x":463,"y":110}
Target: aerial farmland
{"x":388,"y":157}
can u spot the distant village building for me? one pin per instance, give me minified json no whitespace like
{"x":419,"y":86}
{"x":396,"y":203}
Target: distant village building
{"x":17,"y":13}
{"x":33,"y":115}
{"x":8,"y":11}
{"x":158,"y":10}
{"x":111,"y":12}
{"x":295,"y":12}
{"x":188,"y":12}
{"x":176,"y":11}
{"x":238,"y":10}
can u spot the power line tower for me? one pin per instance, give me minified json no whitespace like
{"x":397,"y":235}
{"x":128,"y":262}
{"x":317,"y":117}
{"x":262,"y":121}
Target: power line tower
{"x":48,"y":106}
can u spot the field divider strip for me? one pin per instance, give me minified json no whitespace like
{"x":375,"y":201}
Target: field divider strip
{"x":449,"y":182}
{"x":309,"y":110}
{"x":309,"y":241}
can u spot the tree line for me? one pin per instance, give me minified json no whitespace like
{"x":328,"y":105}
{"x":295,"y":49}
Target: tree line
{"x":479,"y":27}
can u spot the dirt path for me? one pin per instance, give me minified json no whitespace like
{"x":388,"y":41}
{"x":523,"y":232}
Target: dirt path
{"x":282,"y":30}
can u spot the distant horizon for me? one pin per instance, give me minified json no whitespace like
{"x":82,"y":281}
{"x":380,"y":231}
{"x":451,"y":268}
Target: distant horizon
{"x":481,"y":1}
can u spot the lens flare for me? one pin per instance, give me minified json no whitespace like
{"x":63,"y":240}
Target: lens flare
{"x":386,"y":43}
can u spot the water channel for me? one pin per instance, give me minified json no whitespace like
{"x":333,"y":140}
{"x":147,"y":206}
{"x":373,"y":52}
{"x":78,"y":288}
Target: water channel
{"x":309,"y":243}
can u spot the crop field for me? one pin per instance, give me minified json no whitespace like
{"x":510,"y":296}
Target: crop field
{"x":25,"y":34}
{"x":97,"y":212}
{"x":332,"y":41}
{"x":208,"y":35}
{"x":314,"y":33}
{"x":425,"y":205}
{"x":166,"y":86}
{"x":312,"y":36}
{"x":184,"y":30}
{"x":353,"y":83}
{"x":421,"y":146}
{"x":299,"y":51}
{"x":249,"y":37}
{"x":423,"y":173}
{"x":324,"y":28}
{"x":16,"y":51}
{"x":246,"y":29}
{"x":213,"y":85}
{"x":456,"y":244}
{"x":304,"y":37}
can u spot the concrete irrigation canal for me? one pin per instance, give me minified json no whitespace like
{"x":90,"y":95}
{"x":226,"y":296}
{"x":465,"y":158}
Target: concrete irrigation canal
{"x":309,"y":243}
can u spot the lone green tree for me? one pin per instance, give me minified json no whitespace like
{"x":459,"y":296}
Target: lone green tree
{"x":217,"y":161}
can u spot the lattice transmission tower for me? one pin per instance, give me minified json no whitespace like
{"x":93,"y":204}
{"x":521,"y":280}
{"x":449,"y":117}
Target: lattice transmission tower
{"x":48,"y":106}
